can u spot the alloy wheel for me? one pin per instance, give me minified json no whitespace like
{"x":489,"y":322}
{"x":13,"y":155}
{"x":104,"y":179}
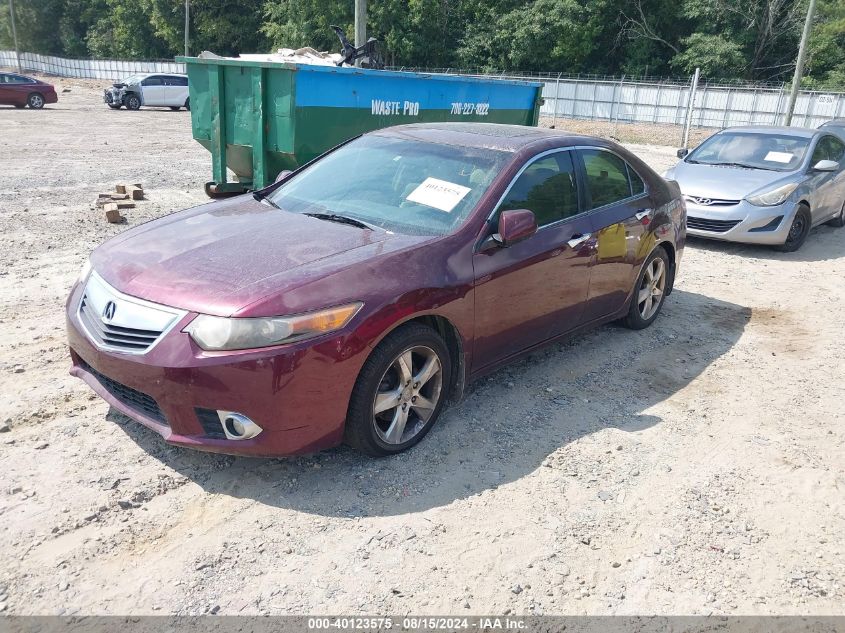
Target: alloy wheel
{"x":407,"y":395}
{"x":36,"y":101}
{"x":652,"y":288}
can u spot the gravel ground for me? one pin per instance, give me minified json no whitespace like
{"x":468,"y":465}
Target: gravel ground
{"x":695,"y":467}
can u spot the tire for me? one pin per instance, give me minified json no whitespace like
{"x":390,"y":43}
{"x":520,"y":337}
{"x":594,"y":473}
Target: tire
{"x":175,"y":108}
{"x":798,"y":230}
{"x":188,"y":104}
{"x":114,"y":106}
{"x":35,"y":101}
{"x":641,"y":314}
{"x":839,"y":220}
{"x":132,"y":102}
{"x":380,"y":383}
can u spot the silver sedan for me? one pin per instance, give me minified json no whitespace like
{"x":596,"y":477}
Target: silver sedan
{"x":763,"y":184}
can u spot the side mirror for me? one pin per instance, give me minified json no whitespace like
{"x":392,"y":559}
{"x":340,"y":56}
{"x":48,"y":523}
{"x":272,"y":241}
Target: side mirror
{"x":516,"y":225}
{"x":682,"y":152}
{"x":826,"y":165}
{"x":282,"y":175}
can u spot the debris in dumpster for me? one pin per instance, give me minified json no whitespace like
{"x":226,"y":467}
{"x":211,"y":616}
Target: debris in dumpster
{"x":368,"y":53}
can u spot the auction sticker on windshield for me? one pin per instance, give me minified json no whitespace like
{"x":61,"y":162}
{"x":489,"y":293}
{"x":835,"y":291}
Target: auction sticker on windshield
{"x":779,"y":157}
{"x":438,"y":194}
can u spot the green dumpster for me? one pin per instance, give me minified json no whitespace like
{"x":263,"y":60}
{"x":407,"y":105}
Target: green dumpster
{"x":258,"y":118}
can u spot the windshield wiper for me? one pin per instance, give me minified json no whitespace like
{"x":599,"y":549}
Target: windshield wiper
{"x":260,"y":197}
{"x":743,"y":165}
{"x":342,"y":219}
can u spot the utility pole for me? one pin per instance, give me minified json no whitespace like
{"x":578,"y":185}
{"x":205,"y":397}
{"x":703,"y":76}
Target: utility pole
{"x":360,"y":25}
{"x":799,"y":63}
{"x":15,"y":34}
{"x":187,"y":27}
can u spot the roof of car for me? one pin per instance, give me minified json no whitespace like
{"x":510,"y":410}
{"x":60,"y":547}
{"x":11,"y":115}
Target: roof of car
{"x":833,"y":123}
{"x":496,"y":136}
{"x":803,"y":132}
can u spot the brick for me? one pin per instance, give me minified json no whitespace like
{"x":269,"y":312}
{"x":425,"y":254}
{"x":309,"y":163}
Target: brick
{"x":113,"y":216}
{"x":125,"y":205}
{"x":120,"y":196}
{"x":120,"y":188}
{"x":111,"y":206}
{"x":136,"y":194}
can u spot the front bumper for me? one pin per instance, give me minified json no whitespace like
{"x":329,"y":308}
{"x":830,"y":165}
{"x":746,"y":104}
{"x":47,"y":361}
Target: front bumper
{"x":743,"y":222}
{"x":298,"y":393}
{"x":113,"y":97}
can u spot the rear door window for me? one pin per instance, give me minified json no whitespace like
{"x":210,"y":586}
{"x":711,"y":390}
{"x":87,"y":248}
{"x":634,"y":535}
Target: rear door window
{"x":608,"y":178}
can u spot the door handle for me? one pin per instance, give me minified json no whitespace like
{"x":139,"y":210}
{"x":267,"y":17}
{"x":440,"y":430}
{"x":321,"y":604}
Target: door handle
{"x":579,"y":239}
{"x":643,"y":213}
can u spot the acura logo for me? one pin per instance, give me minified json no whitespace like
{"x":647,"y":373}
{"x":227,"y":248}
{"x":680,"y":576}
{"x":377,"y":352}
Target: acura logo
{"x":108,"y":311}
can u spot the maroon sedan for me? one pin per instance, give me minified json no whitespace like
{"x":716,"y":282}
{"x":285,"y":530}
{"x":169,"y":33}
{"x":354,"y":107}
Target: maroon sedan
{"x":351,"y":299}
{"x":21,"y":91}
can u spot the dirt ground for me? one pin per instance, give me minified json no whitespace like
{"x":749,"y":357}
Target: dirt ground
{"x":695,"y":467}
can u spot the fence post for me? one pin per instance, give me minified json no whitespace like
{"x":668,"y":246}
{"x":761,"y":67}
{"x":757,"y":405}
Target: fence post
{"x":615,"y":117}
{"x":690,"y":106}
{"x":777,"y":107}
{"x":557,"y":96}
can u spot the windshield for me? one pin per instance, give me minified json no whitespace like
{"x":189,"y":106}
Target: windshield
{"x":132,"y":79}
{"x":399,"y":185}
{"x":775,"y":152}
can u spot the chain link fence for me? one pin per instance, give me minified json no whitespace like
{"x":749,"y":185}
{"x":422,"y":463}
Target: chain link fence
{"x":591,"y":97}
{"x":105,"y":69}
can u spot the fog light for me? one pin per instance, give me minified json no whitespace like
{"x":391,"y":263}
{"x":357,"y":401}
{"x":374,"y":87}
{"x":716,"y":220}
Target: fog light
{"x":237,"y":426}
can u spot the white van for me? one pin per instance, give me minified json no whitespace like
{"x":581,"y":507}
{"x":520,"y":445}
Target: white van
{"x":151,"y":90}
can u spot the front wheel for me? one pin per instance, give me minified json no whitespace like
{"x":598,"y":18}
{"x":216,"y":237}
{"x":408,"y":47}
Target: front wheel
{"x":133,"y":102}
{"x":798,"y":231}
{"x":400,"y":392}
{"x":649,"y":291}
{"x":35,"y":101}
{"x":114,"y":106}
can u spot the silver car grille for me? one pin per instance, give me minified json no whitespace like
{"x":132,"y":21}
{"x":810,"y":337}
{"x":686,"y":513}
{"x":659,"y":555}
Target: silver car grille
{"x":711,"y":202}
{"x":118,"y":322}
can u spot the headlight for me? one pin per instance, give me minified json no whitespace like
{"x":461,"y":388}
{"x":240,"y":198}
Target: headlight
{"x":774,"y":196}
{"x":86,"y":270}
{"x":220,"y":333}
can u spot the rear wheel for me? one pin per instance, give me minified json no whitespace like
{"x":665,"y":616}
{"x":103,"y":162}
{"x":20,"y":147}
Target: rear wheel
{"x":798,"y":231}
{"x":649,"y":291}
{"x":175,"y":108}
{"x":400,"y":392}
{"x":839,"y":220}
{"x":188,"y":104}
{"x":133,"y":102}
{"x":35,"y":101}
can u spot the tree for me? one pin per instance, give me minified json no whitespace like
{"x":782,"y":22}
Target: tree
{"x":718,"y":57}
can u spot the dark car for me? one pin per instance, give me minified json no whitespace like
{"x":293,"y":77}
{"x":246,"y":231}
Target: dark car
{"x":349,"y":300}
{"x":20,"y":91}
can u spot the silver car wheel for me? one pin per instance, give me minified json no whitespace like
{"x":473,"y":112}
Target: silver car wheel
{"x":652,"y":288}
{"x":408,"y":394}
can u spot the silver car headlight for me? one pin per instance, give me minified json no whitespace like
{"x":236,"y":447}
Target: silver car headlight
{"x":773,"y":196}
{"x":221,"y":333}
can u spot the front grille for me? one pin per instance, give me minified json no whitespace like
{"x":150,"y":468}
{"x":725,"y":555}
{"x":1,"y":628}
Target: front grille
{"x":109,"y":335}
{"x":135,"y":400}
{"x":711,"y":202}
{"x":210,"y":422}
{"x":714,"y":226}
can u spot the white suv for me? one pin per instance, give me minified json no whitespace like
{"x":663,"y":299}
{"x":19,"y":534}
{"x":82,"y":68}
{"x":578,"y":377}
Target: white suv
{"x":152,"y":89}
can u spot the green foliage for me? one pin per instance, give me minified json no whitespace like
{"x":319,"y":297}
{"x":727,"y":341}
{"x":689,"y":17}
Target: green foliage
{"x":718,"y":57}
{"x":752,"y":39}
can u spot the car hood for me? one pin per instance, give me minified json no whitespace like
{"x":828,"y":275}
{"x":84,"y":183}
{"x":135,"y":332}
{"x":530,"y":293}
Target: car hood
{"x":726,"y":183}
{"x":221,"y":257}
